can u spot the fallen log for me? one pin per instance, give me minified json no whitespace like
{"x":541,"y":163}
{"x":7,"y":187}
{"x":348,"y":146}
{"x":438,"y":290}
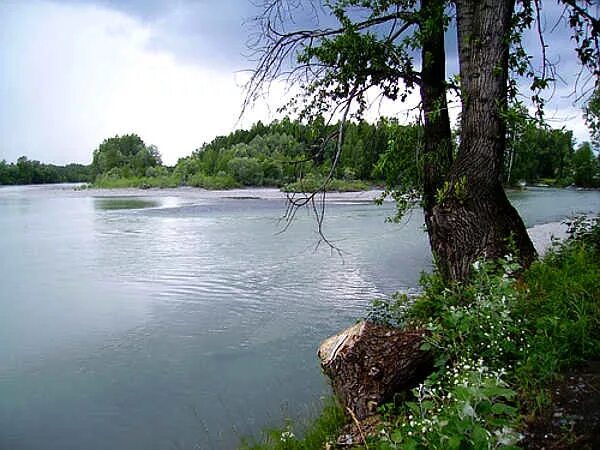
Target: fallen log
{"x":368,"y":364}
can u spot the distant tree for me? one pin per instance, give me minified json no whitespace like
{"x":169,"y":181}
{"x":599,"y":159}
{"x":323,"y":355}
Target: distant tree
{"x":247,"y":171}
{"x":7,"y":173}
{"x":24,"y":171}
{"x":128,"y":154}
{"x":535,"y":152}
{"x":585,"y":166}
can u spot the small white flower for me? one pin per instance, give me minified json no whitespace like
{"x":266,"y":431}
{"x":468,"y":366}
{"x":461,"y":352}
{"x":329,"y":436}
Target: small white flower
{"x":287,"y":435}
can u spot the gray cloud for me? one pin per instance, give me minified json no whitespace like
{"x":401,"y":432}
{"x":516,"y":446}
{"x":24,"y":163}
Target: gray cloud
{"x":196,"y":32}
{"x":77,"y":71}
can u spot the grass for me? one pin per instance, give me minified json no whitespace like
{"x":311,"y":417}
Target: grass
{"x":312,"y":183}
{"x":221,"y":182}
{"x":314,"y":436}
{"x":216,"y":182}
{"x":164,"y":181}
{"x":562,"y":307}
{"x":499,"y":342}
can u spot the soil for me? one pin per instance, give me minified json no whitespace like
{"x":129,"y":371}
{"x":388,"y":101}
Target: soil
{"x":573,"y":419}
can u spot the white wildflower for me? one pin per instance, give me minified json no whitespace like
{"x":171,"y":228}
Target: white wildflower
{"x":287,"y":435}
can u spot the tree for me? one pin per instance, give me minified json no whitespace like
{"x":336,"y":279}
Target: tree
{"x":374,"y":45}
{"x":535,"y":152}
{"x":247,"y":171}
{"x":125,"y":154}
{"x":585,"y":166}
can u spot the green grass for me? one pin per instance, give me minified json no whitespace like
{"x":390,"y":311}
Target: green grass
{"x":314,"y":436}
{"x":222,"y":182}
{"x":165,"y":181}
{"x":216,"y":182}
{"x":561,"y":305}
{"x":311,"y":183}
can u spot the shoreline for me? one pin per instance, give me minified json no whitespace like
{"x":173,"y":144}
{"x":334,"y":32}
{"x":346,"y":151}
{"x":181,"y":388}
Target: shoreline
{"x":542,"y":235}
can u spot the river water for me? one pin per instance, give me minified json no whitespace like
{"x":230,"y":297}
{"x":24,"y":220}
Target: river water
{"x":181,"y":318}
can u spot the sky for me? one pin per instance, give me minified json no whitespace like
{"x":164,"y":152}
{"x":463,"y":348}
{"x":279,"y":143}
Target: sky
{"x":74,"y":72}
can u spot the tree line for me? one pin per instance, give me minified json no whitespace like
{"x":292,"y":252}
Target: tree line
{"x":26,"y":171}
{"x":294,"y":155}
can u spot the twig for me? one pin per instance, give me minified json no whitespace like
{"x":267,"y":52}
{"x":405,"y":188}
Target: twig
{"x":362,"y":435}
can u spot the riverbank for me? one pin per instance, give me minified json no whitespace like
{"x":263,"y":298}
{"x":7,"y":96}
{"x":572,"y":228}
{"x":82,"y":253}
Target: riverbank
{"x":517,"y":361}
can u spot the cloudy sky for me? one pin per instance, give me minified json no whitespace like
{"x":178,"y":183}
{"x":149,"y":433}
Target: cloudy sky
{"x":77,"y":71}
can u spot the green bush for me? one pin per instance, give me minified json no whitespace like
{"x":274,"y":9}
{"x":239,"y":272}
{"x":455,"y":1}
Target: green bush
{"x":247,"y":171}
{"x":212,"y":182}
{"x":494,"y":338}
{"x":312,"y":183}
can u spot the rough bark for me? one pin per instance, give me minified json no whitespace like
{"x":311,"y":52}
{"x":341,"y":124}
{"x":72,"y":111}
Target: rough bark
{"x":368,"y":364}
{"x":437,"y":135}
{"x":472,"y":217}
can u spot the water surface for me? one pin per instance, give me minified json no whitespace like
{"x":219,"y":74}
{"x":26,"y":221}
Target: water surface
{"x":181,"y":319}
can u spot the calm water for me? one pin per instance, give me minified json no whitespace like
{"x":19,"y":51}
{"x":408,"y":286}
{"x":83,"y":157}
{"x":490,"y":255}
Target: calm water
{"x":179,"y":319}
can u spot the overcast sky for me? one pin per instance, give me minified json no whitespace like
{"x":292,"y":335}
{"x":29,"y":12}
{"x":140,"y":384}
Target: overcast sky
{"x":74,"y":72}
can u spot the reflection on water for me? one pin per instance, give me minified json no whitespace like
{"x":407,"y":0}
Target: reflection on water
{"x":174,"y":321}
{"x":109,"y":203}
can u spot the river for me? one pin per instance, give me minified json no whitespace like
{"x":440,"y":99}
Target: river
{"x":182,"y":318}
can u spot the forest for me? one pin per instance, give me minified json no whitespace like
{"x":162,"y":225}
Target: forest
{"x":26,"y":171}
{"x":294,"y":155}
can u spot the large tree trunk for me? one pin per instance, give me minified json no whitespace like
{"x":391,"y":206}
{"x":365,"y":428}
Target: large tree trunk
{"x":472,"y":217}
{"x":437,"y":135}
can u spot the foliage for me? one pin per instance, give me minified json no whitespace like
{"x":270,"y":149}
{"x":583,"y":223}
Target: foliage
{"x":292,"y":154}
{"x":285,"y":153}
{"x":112,"y":181}
{"x":467,"y":406}
{"x":212,"y":182}
{"x":535,"y":151}
{"x":312,"y":183}
{"x":128,"y":154}
{"x":247,"y":171}
{"x":561,"y":309}
{"x":498,"y":343}
{"x":26,"y":171}
{"x":322,"y":430}
{"x":586,"y":167}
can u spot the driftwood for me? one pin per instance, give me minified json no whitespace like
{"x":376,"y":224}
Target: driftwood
{"x":368,"y":364}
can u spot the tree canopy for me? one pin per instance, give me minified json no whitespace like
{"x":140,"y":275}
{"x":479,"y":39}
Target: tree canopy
{"x":125,"y":155}
{"x":26,"y":171}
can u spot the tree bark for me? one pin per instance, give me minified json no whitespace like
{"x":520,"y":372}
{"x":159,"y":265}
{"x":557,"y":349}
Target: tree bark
{"x":472,"y":217}
{"x":368,"y":364}
{"x":437,"y":135}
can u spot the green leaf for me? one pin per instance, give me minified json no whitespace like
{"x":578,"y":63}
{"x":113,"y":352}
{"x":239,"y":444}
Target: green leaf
{"x":501,"y":408}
